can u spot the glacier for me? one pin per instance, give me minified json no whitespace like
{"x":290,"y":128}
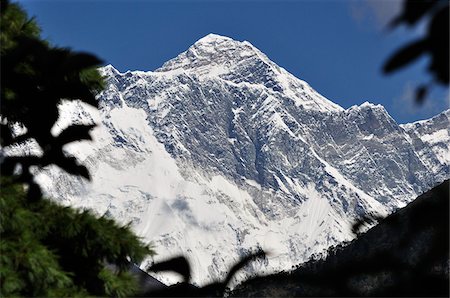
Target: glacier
{"x":221,"y":151}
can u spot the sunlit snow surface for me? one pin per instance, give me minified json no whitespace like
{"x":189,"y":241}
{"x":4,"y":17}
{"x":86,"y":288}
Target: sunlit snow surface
{"x":221,"y":151}
{"x":435,"y":133}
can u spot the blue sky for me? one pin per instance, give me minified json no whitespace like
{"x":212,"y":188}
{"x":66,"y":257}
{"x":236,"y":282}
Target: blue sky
{"x":338,"y":47}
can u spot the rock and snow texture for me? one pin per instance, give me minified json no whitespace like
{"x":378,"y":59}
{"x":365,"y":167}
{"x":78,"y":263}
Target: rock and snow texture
{"x":432,"y":134}
{"x":220,"y":151}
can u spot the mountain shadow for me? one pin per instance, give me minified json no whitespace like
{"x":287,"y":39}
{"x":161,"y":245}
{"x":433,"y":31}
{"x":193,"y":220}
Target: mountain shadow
{"x":406,"y":254}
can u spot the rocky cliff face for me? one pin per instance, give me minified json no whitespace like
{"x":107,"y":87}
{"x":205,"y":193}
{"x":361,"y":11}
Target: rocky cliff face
{"x":220,"y":150}
{"x":432,"y":134}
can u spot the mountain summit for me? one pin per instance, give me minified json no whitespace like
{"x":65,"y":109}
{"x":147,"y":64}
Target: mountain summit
{"x":221,"y":151}
{"x":237,"y":62}
{"x":214,"y":50}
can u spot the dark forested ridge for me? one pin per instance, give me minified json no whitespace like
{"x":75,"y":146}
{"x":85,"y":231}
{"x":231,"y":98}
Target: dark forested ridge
{"x":406,"y":254}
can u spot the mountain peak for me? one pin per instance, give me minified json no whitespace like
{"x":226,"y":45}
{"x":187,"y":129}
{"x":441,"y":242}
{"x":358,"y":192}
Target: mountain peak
{"x":213,"y":50}
{"x":222,"y":58}
{"x":213,"y":38}
{"x":108,"y":70}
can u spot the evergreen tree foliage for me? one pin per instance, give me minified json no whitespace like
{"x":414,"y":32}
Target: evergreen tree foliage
{"x":434,"y":43}
{"x":47,"y":249}
{"x":35,"y":78}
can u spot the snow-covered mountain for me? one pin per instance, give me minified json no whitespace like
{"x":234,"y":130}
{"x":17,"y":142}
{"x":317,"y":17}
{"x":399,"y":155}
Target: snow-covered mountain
{"x":220,"y":151}
{"x":432,"y":133}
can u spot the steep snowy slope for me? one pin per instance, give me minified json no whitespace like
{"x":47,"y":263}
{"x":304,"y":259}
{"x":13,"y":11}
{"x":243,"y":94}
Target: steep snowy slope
{"x":220,"y":150}
{"x":206,"y":217}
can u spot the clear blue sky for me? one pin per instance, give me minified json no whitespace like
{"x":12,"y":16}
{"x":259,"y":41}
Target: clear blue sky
{"x":338,"y":47}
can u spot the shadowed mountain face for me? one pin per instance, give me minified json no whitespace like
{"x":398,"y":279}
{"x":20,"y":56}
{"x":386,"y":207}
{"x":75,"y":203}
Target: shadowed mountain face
{"x":221,"y":150}
{"x":406,"y":254}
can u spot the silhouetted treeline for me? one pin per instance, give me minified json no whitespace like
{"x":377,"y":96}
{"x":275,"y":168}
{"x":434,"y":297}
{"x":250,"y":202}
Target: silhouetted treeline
{"x":406,"y":254}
